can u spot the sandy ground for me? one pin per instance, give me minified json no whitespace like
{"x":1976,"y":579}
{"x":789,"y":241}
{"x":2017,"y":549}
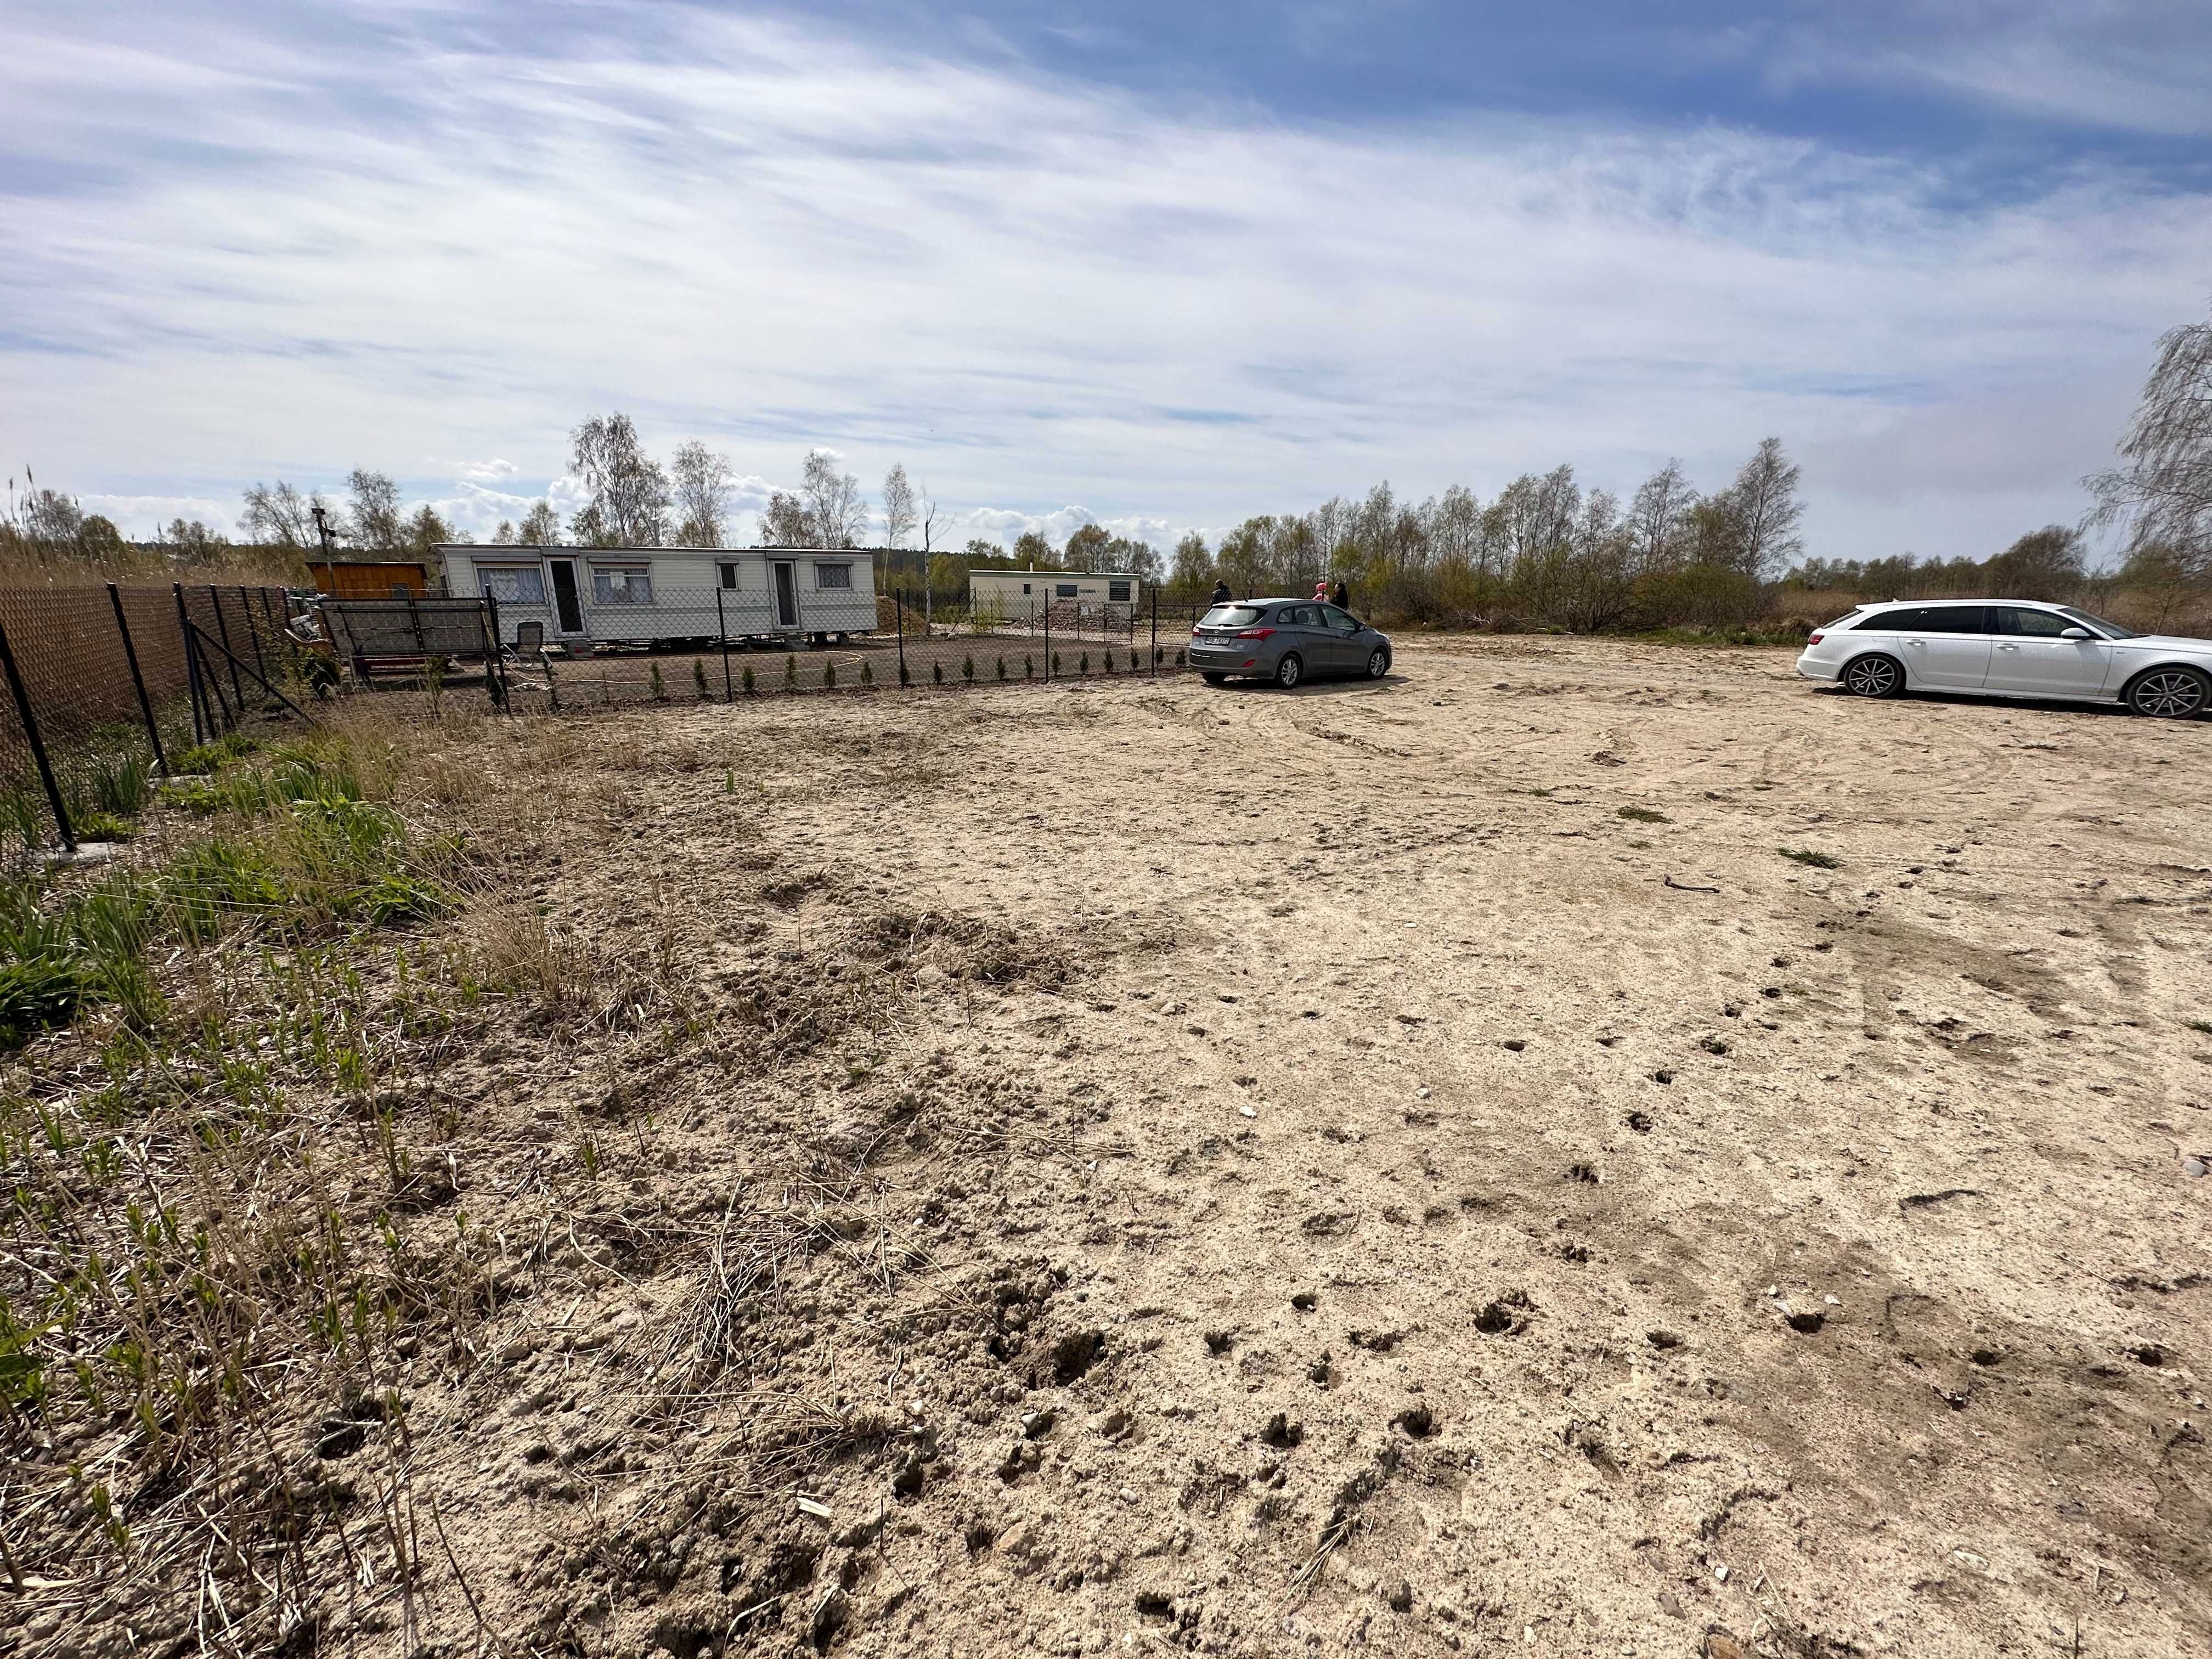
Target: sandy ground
{"x":1295,"y":1171}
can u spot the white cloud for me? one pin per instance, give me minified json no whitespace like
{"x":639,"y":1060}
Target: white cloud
{"x":487,"y":472}
{"x":1030,"y":292}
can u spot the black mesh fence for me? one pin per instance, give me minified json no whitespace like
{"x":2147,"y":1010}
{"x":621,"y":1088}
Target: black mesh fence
{"x":705,"y":646}
{"x":99,"y":695}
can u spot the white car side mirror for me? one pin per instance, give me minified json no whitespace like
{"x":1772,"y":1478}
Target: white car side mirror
{"x":2077,"y":634}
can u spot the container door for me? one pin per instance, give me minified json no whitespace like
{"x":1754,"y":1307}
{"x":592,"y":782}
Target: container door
{"x":567,"y":607}
{"x":787,"y":594}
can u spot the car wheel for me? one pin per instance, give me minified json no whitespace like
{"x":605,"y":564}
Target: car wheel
{"x":2170,"y":694}
{"x":1214,"y":679}
{"x":1876,"y":676}
{"x":1378,"y":663}
{"x":1289,"y":670}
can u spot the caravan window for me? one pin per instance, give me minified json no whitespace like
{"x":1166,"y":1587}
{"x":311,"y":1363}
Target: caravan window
{"x":729,"y":574}
{"x":1117,"y":593}
{"x":1064,"y":591}
{"x":521,"y":583}
{"x":621,"y":586}
{"x":833,"y":575}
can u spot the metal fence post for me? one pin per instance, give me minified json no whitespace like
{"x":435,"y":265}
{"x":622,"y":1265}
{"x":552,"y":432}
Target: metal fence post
{"x":722,"y":634}
{"x":1048,"y":639}
{"x":899,"y":606}
{"x":138,"y":680}
{"x":1156,"y":632}
{"x":37,"y":744}
{"x":192,"y":667}
{"x":222,"y":627}
{"x":495,"y":664}
{"x":246,"y":611}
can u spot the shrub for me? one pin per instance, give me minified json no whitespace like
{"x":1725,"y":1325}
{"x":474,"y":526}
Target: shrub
{"x":659,"y":685}
{"x":699,"y":678}
{"x":1108,"y":658}
{"x":867,"y":674}
{"x":1028,"y":668}
{"x":748,"y":679}
{"x":937,"y":673}
{"x":968,"y":670}
{"x":1055,"y":662}
{"x":1180,"y":657}
{"x":1083,"y":663}
{"x":905,"y":678}
{"x":1002,"y":671}
{"x":790,"y":671}
{"x":1642,"y":814}
{"x":829,"y":675}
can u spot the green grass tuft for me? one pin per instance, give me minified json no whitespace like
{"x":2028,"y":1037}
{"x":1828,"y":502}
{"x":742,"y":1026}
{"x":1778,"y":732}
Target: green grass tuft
{"x":1642,"y":814}
{"x":1806,"y":855}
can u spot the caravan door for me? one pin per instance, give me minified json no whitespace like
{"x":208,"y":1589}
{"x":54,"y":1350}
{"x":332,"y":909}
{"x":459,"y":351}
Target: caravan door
{"x":567,"y":606}
{"x":787,"y":594}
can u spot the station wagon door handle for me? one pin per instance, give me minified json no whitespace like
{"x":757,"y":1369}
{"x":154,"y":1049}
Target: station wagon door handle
{"x":2007,"y":647}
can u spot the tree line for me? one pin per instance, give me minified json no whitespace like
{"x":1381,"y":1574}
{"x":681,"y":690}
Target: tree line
{"x":1545,"y":551}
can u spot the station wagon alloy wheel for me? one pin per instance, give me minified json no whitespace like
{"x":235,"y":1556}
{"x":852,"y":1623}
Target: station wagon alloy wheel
{"x":2168,"y":694}
{"x":1288,"y":672}
{"x":1378,"y":664}
{"x":1874,"y":676}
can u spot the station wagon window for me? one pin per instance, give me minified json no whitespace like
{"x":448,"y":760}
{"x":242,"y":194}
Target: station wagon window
{"x":729,"y":574}
{"x":833,"y":575}
{"x":1064,"y":591}
{"x":1117,"y":593}
{"x":519,"y":584}
{"x":621,"y":587}
{"x":1232,"y":615}
{"x":2032,"y":624}
{"x":1929,"y":619}
{"x":1341,"y":620}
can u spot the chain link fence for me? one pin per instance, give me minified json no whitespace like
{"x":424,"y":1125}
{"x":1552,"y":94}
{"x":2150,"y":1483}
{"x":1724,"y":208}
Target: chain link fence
{"x":100,"y":695}
{"x":108,"y":688}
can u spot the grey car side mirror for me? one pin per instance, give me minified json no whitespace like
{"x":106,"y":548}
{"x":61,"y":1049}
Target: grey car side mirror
{"x":2077,"y":634}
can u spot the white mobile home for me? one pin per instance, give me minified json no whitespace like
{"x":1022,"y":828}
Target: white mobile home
{"x":580,"y":597}
{"x":1017,"y":593}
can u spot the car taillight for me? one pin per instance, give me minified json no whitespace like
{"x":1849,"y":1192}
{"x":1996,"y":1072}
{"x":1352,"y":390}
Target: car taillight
{"x":1257,"y":634}
{"x":1812,"y":639}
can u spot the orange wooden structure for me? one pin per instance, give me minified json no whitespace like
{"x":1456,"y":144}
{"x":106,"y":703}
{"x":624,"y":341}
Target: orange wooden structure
{"x":369,"y":579}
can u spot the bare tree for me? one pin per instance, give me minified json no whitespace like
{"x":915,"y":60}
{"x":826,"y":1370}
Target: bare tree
{"x":898,"y":508}
{"x":1767,"y":511}
{"x":628,"y":506}
{"x":785,"y":522}
{"x":373,"y":521}
{"x":703,"y":481}
{"x":504,"y":536}
{"x":540,"y":526}
{"x":1658,"y":517}
{"x":278,"y":515}
{"x":928,"y":543}
{"x":834,"y":507}
{"x":2162,"y":493}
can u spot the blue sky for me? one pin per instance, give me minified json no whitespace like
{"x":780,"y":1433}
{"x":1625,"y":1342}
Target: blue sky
{"x":1163,"y":266}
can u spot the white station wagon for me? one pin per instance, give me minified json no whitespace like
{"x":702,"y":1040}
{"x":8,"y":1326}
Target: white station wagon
{"x":2010,"y":648}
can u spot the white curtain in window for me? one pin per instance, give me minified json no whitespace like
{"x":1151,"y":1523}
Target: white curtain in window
{"x":833,"y":575}
{"x":622,"y":587}
{"x":518,"y":585}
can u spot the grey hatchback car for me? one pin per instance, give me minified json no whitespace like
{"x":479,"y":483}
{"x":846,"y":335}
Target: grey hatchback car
{"x":1286,"y":640}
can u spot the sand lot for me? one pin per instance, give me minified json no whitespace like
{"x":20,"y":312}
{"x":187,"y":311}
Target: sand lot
{"x":1143,"y":1168}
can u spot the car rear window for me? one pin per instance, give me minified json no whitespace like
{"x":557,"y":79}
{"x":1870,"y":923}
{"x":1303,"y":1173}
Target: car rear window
{"x":1928,"y":619}
{"x":1232,"y":615}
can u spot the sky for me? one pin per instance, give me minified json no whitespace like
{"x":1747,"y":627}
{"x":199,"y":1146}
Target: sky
{"x":1158,"y":266}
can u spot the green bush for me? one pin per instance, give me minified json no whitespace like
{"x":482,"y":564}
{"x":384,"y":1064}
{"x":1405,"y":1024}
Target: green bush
{"x":829,"y":675}
{"x":790,"y":671}
{"x":1028,"y":668}
{"x":968,"y":670}
{"x":748,"y":679}
{"x":1002,"y":671}
{"x":699,"y":678}
{"x":937,"y":673}
{"x":867,"y":673}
